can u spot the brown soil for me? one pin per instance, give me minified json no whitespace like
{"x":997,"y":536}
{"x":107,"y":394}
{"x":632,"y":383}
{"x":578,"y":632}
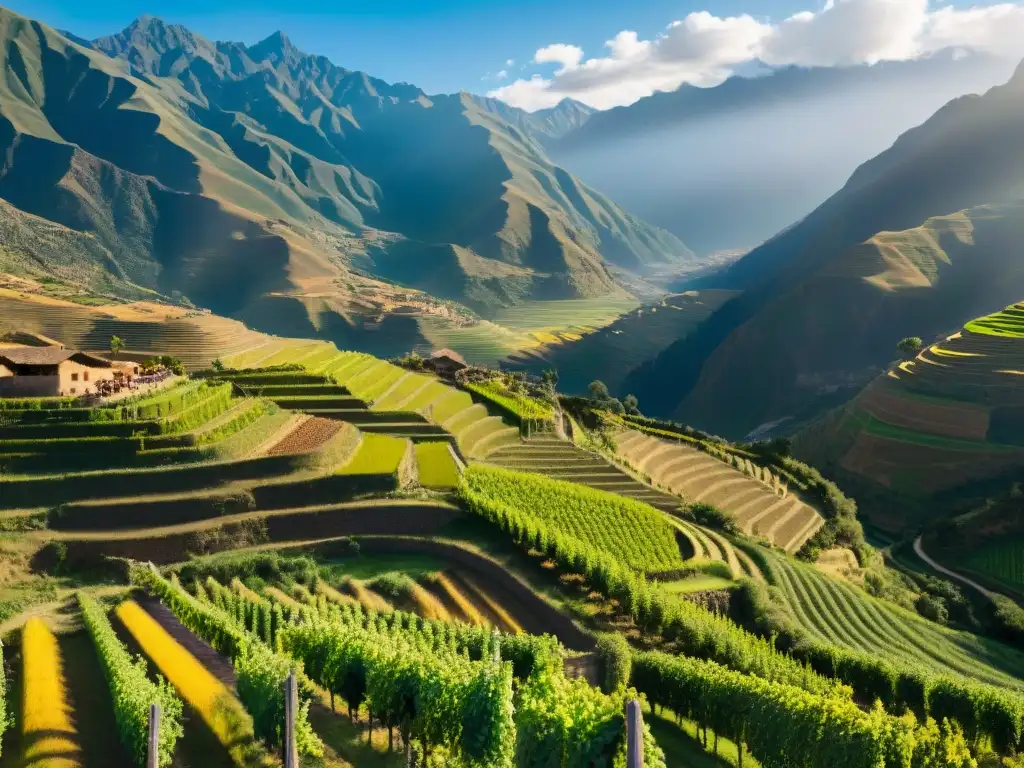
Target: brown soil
{"x":932,"y":418}
{"x":308,"y":436}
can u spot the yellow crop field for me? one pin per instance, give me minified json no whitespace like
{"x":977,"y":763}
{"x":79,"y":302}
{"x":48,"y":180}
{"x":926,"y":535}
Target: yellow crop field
{"x":207,"y":695}
{"x":49,"y":734}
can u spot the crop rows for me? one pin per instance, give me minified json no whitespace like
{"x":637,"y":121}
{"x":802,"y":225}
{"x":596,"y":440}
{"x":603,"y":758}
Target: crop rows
{"x":436,"y":465}
{"x":753,"y":497}
{"x":633,"y":532}
{"x":840,"y":614}
{"x":1003,"y":562}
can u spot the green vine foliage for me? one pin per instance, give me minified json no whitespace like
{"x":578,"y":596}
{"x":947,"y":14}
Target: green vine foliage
{"x":784,"y":726}
{"x":261,"y":671}
{"x":132,"y":691}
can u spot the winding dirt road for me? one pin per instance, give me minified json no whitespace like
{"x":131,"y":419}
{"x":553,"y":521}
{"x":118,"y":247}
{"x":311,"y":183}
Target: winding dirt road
{"x":952,"y":574}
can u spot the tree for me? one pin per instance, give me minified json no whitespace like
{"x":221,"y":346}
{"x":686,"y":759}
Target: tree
{"x":632,"y":405}
{"x":217,"y":365}
{"x":116,"y":344}
{"x":910,"y":346}
{"x":550,"y":378}
{"x":598,"y":390}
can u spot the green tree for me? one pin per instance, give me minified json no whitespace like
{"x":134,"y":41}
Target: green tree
{"x":632,"y":405}
{"x":910,"y":346}
{"x":116,"y":344}
{"x":598,"y":391}
{"x":217,"y":365}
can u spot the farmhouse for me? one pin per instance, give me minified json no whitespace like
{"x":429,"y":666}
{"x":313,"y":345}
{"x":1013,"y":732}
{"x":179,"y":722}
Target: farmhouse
{"x":54,"y":371}
{"x":447,"y":362}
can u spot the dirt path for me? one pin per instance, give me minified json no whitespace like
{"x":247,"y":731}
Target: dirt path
{"x":952,"y":574}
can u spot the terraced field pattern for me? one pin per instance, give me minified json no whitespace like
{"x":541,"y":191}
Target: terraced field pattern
{"x":757,"y":503}
{"x":950,"y":416}
{"x":838,"y":613}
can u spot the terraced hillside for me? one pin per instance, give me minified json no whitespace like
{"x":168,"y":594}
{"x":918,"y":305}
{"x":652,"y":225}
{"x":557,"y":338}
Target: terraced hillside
{"x":759,"y":504}
{"x":553,"y":457}
{"x":951,"y":416}
{"x":835,"y":612}
{"x":195,"y":338}
{"x":610,"y":352}
{"x":376,"y":395}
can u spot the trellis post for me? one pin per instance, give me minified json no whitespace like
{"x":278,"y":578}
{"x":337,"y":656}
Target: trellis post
{"x":291,"y":705}
{"x":634,"y":735}
{"x":153,"y":753}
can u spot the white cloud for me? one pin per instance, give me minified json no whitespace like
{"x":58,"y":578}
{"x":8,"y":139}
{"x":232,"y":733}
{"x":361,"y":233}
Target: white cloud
{"x":501,"y":74}
{"x":704,"y":49}
{"x":510,"y":62}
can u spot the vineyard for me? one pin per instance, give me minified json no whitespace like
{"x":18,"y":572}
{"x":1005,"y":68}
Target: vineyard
{"x":448,"y":591}
{"x":1003,"y":562}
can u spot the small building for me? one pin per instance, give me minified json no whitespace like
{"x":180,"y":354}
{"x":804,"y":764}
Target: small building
{"x":447,"y":362}
{"x":55,"y":371}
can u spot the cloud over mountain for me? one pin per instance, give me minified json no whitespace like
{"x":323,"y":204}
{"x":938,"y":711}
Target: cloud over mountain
{"x":704,"y":49}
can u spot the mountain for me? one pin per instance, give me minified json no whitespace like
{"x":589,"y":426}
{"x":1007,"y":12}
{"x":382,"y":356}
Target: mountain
{"x":921,"y":239}
{"x":271,"y":185}
{"x":544,"y":125}
{"x":729,"y":166}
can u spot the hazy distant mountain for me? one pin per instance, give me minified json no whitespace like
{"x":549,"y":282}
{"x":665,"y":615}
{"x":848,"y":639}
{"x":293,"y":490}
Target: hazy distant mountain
{"x":732,"y":165}
{"x":232,"y":173}
{"x":921,"y":239}
{"x":544,"y":124}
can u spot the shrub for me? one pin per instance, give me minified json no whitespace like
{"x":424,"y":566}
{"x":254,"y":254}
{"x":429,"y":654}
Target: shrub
{"x":616,"y":662}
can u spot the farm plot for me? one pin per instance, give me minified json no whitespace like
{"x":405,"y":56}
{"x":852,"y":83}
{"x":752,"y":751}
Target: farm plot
{"x":436,"y":466}
{"x":636,"y":533}
{"x":377,"y":455}
{"x":1003,"y":562}
{"x":838,"y":613}
{"x":307,"y":436}
{"x":758,"y":502}
{"x":548,"y":455}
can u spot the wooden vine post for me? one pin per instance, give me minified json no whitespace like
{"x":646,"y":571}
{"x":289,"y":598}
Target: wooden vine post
{"x":634,"y":735}
{"x":291,"y":706}
{"x":153,"y":753}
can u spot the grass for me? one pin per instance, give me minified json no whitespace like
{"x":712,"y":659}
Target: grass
{"x":48,"y":734}
{"x":207,"y":695}
{"x":835,"y":612}
{"x":699,"y":583}
{"x":377,"y":454}
{"x":436,"y":465}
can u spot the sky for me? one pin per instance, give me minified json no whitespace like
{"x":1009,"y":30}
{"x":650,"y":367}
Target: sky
{"x":533,"y":53}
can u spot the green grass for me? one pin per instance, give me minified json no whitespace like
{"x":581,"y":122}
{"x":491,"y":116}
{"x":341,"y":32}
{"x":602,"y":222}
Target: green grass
{"x":635,"y":533}
{"x":873,"y":426}
{"x":377,"y":455}
{"x":401,"y":392}
{"x":368,"y":566}
{"x":838,"y":613}
{"x":1002,"y":561}
{"x":518,"y":405}
{"x":450,"y":405}
{"x":1007,"y":324}
{"x":436,"y":465}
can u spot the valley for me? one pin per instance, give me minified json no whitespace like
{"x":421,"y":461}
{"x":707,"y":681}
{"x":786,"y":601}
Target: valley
{"x":346,"y":424}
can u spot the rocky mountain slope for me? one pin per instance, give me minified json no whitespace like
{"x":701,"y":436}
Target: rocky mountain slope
{"x":921,"y":239}
{"x":234,"y":174}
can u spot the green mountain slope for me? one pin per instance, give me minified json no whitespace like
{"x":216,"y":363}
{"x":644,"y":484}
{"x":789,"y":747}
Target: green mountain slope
{"x":921,"y":239}
{"x":235,"y":174}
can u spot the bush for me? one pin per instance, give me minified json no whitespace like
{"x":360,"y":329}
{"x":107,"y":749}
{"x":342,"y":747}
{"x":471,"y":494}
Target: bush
{"x":616,"y":662}
{"x":932,"y":608}
{"x":711,"y":517}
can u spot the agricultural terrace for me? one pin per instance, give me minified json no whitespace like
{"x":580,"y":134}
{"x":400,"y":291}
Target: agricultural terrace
{"x":195,"y":338}
{"x":547,"y":454}
{"x":758,"y":501}
{"x":1002,"y":561}
{"x":1008,"y":323}
{"x":839,"y":614}
{"x":373,"y":394}
{"x":453,"y":685}
{"x":436,"y":465}
{"x":610,"y":352}
{"x":635,"y":533}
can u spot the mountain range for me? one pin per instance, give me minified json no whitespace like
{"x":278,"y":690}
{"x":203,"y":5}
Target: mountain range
{"x":727,"y":167}
{"x":272,"y":185}
{"x":921,"y":239}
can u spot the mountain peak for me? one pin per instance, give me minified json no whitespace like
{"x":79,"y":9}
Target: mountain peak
{"x":277,"y":46}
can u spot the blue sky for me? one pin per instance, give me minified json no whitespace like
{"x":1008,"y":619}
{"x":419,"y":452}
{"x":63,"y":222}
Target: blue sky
{"x":440,"y":45}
